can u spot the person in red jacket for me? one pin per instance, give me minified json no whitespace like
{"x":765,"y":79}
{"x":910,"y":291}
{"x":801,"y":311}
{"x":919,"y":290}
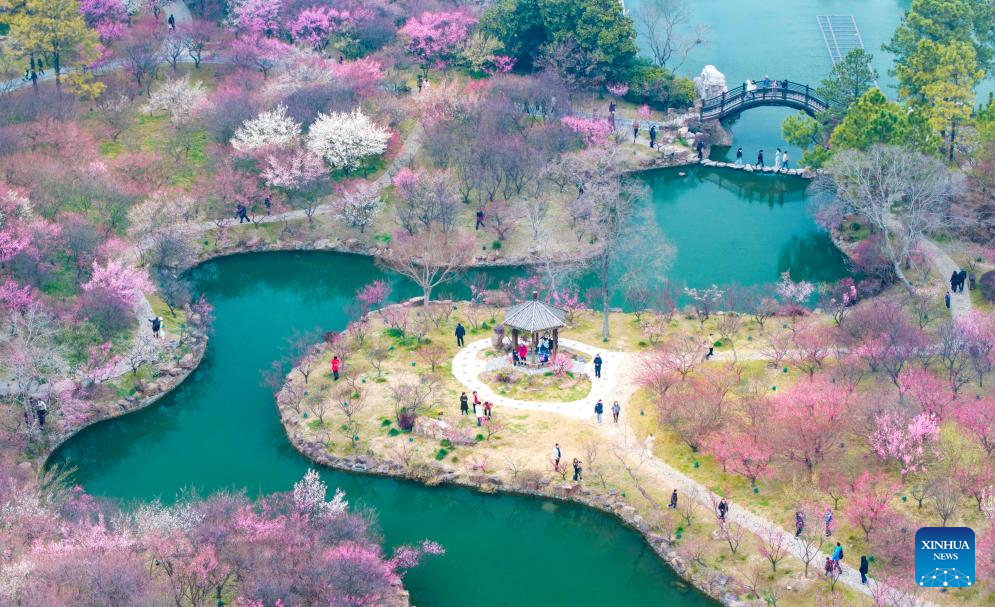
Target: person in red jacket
{"x":335,"y":367}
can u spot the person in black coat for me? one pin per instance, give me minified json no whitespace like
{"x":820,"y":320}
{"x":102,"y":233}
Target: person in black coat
{"x":961,"y":279}
{"x":864,"y":567}
{"x":460,"y":332}
{"x":597,"y":366}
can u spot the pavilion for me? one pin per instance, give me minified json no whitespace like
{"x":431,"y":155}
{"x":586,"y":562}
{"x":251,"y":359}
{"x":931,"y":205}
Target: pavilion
{"x":533,"y":318}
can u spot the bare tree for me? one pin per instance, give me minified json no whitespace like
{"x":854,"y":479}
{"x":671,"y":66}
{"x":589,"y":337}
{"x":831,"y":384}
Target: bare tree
{"x":536,"y":208}
{"x":304,"y":352}
{"x":350,"y":404}
{"x":612,"y":206}
{"x":946,"y":498}
{"x":145,"y":351}
{"x":429,"y":258}
{"x":809,"y":544}
{"x":773,"y":546}
{"x":31,"y":354}
{"x":733,"y":534}
{"x":903,"y":194}
{"x":660,"y":22}
{"x":377,"y":354}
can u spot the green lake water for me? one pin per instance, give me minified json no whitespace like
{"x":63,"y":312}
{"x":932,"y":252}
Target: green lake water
{"x":220,"y":429}
{"x":732,"y":227}
{"x":781,"y":39}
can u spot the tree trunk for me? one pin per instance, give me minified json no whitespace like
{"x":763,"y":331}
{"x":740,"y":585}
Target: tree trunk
{"x":426,"y":294}
{"x":604,"y":309}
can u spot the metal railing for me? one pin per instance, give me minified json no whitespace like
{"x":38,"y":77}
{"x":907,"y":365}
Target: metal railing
{"x":784,"y":93}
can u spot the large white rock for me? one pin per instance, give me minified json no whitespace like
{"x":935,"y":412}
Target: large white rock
{"x":710,"y":82}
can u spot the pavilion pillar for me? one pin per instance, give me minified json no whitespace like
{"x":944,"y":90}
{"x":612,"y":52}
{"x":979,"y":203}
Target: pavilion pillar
{"x":556,"y":342}
{"x":535,"y":342}
{"x":514,"y":343}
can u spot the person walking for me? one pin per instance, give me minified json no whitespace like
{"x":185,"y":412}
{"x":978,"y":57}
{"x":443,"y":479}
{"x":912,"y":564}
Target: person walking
{"x":479,"y":412}
{"x":41,"y":410}
{"x":760,"y":160}
{"x":597,"y":365}
{"x":829,"y":521}
{"x":829,"y":567}
{"x":777,"y":160}
{"x":799,"y":523}
{"x":673,"y":500}
{"x":464,"y":404}
{"x":739,"y":157}
{"x":460,"y":332}
{"x":157,"y":326}
{"x":171,"y":22}
{"x":616,"y":409}
{"x":477,"y":409}
{"x":962,"y":279}
{"x":652,"y":136}
{"x":864,"y":568}
{"x":480,"y":219}
{"x":420,"y":82}
{"x":700,"y":146}
{"x":784,"y":161}
{"x":612,"y":107}
{"x":946,"y":299}
{"x":635,"y":131}
{"x":488,"y":408}
{"x":723,"y":510}
{"x":557,"y":454}
{"x":953,"y":281}
{"x":336,"y":365}
{"x":837,"y":557}
{"x":577,"y":469}
{"x":599,"y":408}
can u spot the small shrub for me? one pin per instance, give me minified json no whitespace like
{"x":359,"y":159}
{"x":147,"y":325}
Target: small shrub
{"x":479,"y":437}
{"x":987,"y":286}
{"x":393,"y":432}
{"x":496,"y":245}
{"x":504,"y":377}
{"x":315,"y":424}
{"x":445,"y":443}
{"x":855,"y":226}
{"x":406,"y":420}
{"x":386,"y":423}
{"x":441,"y":454}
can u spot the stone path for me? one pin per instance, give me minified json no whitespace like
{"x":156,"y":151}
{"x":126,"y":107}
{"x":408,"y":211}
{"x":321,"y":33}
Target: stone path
{"x":618,"y":382}
{"x":467,"y":367}
{"x":177,"y":8}
{"x":960,"y":302}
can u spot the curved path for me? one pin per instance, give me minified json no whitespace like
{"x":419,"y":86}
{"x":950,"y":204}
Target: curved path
{"x":468,"y":365}
{"x":619,"y":382}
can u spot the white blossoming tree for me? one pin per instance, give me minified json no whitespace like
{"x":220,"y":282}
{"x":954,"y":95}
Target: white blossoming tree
{"x":310,"y":493}
{"x":344,"y":140}
{"x":358,"y":208}
{"x":269,"y":129}
{"x":180,"y":97}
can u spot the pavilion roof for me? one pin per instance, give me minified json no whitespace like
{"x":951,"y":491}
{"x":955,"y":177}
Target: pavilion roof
{"x":534,"y":316}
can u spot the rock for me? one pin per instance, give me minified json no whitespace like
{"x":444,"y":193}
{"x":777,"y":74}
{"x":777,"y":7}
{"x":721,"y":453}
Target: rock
{"x":710,"y":83}
{"x":352,"y":243}
{"x":187,"y":361}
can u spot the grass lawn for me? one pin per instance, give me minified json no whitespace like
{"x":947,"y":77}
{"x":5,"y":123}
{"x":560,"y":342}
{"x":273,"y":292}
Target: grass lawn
{"x":543,"y":387}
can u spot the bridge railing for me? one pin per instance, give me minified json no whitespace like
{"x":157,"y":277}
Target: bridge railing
{"x":784,"y":90}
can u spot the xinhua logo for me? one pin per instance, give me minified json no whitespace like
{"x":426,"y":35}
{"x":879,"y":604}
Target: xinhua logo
{"x":945,"y":557}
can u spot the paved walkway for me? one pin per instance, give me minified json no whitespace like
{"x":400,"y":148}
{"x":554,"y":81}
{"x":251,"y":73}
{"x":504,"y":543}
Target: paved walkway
{"x":960,"y":302}
{"x":619,"y":382}
{"x":467,"y":367}
{"x":177,"y":8}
